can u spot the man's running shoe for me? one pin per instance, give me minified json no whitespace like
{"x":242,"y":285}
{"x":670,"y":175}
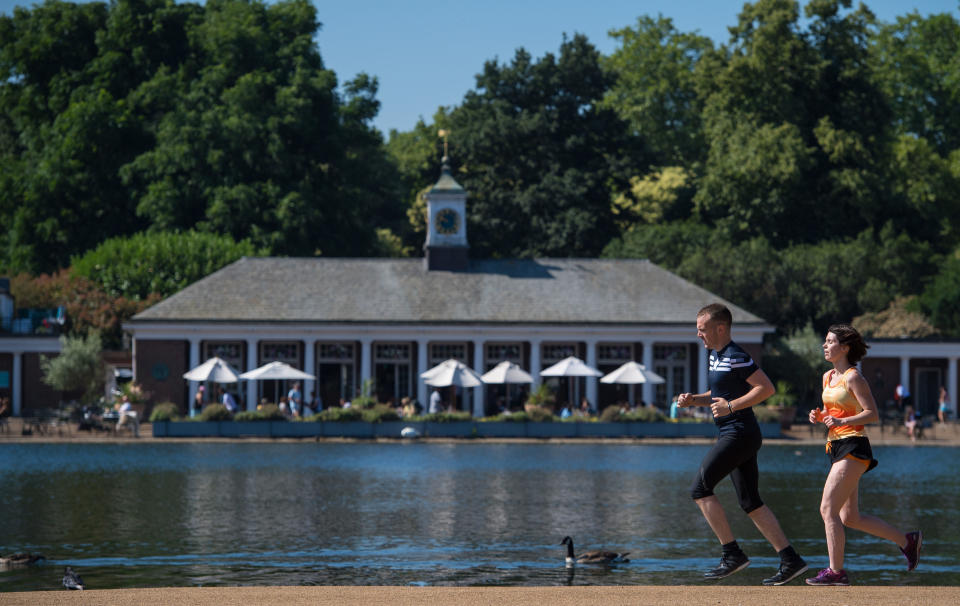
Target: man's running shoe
{"x":912,"y":550}
{"x":729,"y":564}
{"x":787,"y":572}
{"x":828,"y":577}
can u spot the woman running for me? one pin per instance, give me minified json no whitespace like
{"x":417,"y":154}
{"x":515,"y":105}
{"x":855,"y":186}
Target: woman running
{"x":847,"y":406}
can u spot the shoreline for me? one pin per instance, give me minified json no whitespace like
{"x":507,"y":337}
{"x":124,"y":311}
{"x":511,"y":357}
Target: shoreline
{"x":787,"y":595}
{"x":939,"y":435}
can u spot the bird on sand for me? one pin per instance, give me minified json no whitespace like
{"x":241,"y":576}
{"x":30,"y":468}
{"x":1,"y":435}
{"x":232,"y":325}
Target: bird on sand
{"x":72,"y":580}
{"x":596,"y":556}
{"x":18,"y":560}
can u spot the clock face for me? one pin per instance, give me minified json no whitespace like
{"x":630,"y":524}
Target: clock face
{"x":447,"y":222}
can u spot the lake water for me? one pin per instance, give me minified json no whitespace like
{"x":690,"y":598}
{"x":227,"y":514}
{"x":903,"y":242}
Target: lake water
{"x":197,"y":514}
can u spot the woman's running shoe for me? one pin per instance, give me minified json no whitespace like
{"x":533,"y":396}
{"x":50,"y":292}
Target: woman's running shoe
{"x":828,"y":576}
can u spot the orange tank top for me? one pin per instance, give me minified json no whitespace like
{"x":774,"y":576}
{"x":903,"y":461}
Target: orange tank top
{"x":840,"y":402}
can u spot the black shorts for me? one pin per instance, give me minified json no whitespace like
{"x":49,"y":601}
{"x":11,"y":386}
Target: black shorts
{"x":857,"y":448}
{"x":734,"y":455}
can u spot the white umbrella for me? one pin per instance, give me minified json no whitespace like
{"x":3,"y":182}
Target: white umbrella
{"x":215,"y":369}
{"x":276,"y":370}
{"x":632,"y":373}
{"x":570,"y":367}
{"x":507,"y":372}
{"x":455,"y":373}
{"x":438,"y":368}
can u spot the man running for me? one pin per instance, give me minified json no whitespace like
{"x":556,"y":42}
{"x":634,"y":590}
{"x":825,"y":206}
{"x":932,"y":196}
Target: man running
{"x":736,"y":385}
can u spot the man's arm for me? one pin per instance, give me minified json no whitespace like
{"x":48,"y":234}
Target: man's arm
{"x":761,"y":388}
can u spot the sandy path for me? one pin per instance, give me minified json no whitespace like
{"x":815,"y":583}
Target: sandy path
{"x":793,"y":595}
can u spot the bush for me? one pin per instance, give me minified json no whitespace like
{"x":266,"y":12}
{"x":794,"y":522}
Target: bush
{"x":445,"y":417}
{"x":542,"y":396}
{"x":380,"y":413}
{"x":767,"y":414}
{"x":514,"y":417}
{"x":539,"y":414}
{"x":611,"y":414}
{"x":165,"y":411}
{"x":363,"y":402}
{"x":645,"y":415}
{"x":338,"y":415}
{"x":215,"y":412}
{"x":270,"y":412}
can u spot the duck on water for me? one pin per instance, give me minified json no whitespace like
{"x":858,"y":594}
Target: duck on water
{"x":595,"y":556}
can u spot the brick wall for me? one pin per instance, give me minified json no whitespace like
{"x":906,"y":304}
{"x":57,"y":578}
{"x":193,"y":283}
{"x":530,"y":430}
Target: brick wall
{"x":159,"y":368}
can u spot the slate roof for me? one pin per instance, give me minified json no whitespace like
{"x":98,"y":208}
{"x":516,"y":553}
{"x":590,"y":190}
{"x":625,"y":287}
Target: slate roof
{"x":554,"y":291}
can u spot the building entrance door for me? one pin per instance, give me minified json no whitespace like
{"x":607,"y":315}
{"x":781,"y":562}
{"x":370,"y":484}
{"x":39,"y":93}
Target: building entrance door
{"x":927,"y":391}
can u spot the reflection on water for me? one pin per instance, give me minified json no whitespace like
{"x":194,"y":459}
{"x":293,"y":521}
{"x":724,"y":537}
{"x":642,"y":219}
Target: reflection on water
{"x":187,"y":514}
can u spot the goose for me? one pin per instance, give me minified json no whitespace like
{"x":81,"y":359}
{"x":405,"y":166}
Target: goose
{"x":72,"y":580}
{"x":17,"y":560}
{"x":596,"y":556}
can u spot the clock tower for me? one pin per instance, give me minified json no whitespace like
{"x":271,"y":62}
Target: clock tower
{"x":446,"y":246}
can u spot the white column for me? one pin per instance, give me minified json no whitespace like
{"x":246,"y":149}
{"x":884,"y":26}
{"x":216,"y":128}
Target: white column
{"x":952,"y":386}
{"x":310,"y":366}
{"x":422,"y":368}
{"x":591,"y":381}
{"x":702,"y":365}
{"x":905,"y":373}
{"x":252,"y":356}
{"x":194,"y":361}
{"x":366,"y":368}
{"x":16,"y":383}
{"x":535,"y":363}
{"x":479,"y":392}
{"x":648,"y":364}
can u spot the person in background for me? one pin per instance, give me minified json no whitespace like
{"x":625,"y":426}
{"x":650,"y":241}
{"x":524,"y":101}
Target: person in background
{"x":295,"y":400}
{"x":315,"y":403}
{"x":848,"y":405}
{"x":198,"y":399}
{"x":943,"y":407}
{"x":436,"y":402}
{"x":226,"y":398}
{"x":128,"y":416}
{"x":910,"y":422}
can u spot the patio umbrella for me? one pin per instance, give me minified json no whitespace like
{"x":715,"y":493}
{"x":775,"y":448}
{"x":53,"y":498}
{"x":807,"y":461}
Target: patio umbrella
{"x":215,"y":369}
{"x":632,"y":373}
{"x":276,"y":371}
{"x":570,"y":367}
{"x":505,"y":373}
{"x":452,"y":373}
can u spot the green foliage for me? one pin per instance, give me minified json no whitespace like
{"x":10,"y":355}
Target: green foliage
{"x":445,"y":417}
{"x":655,"y":88}
{"x":214,"y":412}
{"x":539,"y":414}
{"x":270,"y":412}
{"x":338,"y":415}
{"x":380,"y":413}
{"x":783,"y":396}
{"x":767,"y":414}
{"x":138,"y":265}
{"x":645,"y":414}
{"x":219,"y":117}
{"x":611,"y":414}
{"x":79,"y":366}
{"x":797,"y":361}
{"x":541,"y":396}
{"x":165,"y":411}
{"x":538,"y":154}
{"x":941,"y":298}
{"x":513,"y":417}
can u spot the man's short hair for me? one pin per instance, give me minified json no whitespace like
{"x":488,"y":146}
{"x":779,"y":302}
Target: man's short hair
{"x":717,"y":312}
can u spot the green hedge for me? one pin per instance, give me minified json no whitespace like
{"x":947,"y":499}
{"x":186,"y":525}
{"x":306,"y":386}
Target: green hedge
{"x":270,"y":412}
{"x":165,"y":411}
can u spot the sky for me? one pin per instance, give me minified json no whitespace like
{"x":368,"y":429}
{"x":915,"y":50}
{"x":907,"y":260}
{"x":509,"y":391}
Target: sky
{"x":426,"y":54}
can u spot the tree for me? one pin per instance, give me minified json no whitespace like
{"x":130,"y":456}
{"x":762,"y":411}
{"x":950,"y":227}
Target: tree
{"x":79,"y":367}
{"x":655,"y":88}
{"x":940,"y":299}
{"x":918,"y":67}
{"x":540,"y":156}
{"x":157,"y":263}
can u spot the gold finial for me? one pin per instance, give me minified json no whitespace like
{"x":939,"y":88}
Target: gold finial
{"x":444,"y":133}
